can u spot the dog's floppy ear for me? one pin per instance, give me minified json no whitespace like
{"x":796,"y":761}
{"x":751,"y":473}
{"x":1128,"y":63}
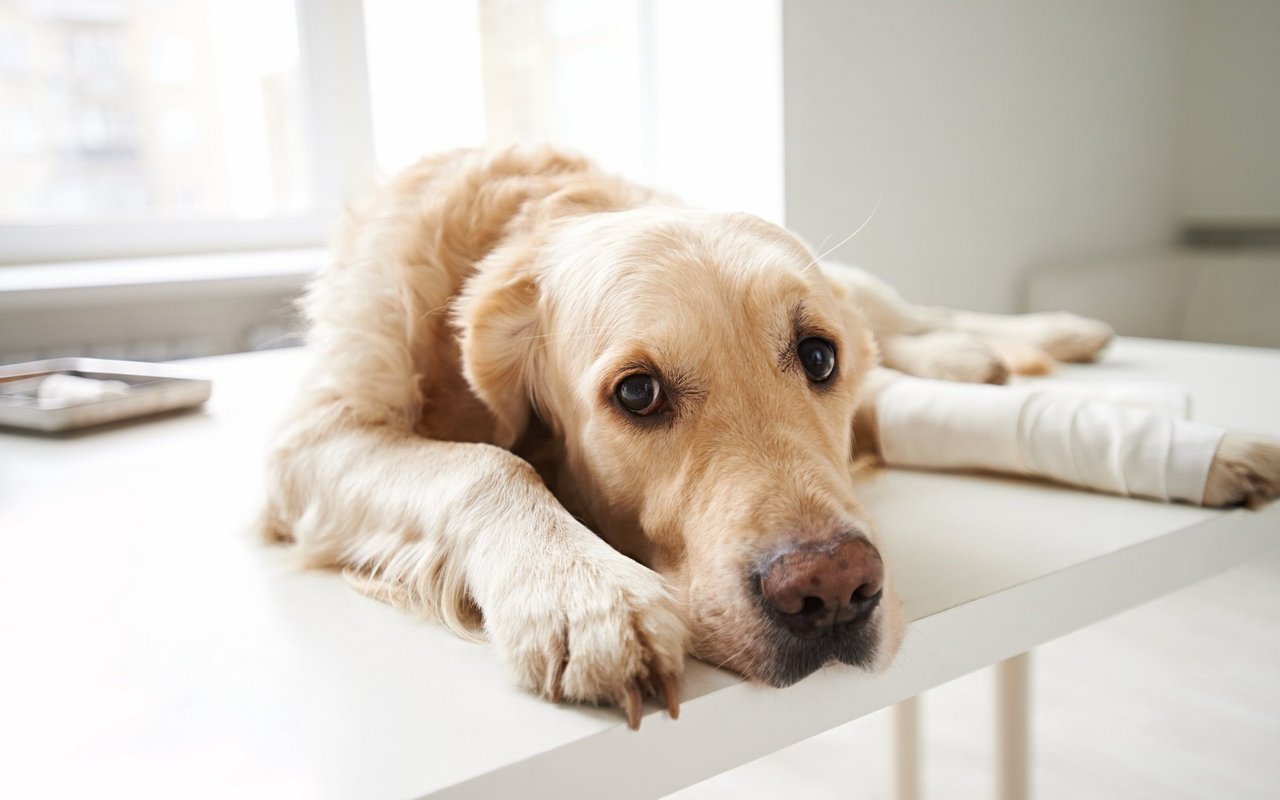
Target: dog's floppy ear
{"x":497,"y":318}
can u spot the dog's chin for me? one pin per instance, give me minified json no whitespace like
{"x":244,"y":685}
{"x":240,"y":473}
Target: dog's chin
{"x":781,"y":658}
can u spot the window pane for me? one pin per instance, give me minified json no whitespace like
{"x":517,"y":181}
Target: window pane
{"x":426,"y":91}
{"x":452,"y":73}
{"x":685,"y":95}
{"x":144,"y":109}
{"x":566,"y":71}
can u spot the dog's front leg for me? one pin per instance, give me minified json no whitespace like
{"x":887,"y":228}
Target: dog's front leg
{"x":448,"y":527}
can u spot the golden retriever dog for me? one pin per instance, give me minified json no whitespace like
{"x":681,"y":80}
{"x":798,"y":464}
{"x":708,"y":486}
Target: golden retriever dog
{"x":608,"y":431}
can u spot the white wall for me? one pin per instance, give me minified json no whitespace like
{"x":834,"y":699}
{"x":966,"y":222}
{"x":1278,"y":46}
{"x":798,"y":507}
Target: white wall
{"x":1231,"y":117}
{"x":997,"y":134}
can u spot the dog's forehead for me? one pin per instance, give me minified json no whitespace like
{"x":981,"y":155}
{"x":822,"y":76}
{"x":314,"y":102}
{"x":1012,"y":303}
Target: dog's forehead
{"x":681,"y":291}
{"x":643,"y":265}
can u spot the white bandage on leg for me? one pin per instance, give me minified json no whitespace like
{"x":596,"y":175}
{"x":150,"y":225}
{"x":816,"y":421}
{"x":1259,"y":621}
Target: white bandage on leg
{"x":1168,"y":398}
{"x":1066,"y":437}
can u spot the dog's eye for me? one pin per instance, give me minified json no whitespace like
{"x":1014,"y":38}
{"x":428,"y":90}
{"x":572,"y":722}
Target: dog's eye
{"x":818,"y":357}
{"x":640,"y":394}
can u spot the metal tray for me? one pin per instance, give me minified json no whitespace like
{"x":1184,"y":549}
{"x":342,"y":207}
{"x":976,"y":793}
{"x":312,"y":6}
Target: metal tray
{"x":149,"y":389}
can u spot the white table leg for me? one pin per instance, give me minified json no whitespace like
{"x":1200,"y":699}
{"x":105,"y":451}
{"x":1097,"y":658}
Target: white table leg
{"x":906,"y":749}
{"x":1013,"y":728}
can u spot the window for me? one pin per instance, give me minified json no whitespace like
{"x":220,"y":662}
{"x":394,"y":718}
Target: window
{"x":450,"y":73}
{"x":125,"y":110}
{"x":149,"y":126}
{"x":683,"y":95}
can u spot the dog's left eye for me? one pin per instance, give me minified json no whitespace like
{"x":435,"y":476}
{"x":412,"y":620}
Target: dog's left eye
{"x":640,"y":394}
{"x":818,"y":357}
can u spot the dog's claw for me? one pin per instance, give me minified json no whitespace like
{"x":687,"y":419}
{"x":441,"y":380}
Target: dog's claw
{"x":671,"y":691}
{"x":632,"y":703}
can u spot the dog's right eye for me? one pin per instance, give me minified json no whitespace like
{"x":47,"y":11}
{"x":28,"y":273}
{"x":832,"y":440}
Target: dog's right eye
{"x":818,"y":357}
{"x":640,"y":394}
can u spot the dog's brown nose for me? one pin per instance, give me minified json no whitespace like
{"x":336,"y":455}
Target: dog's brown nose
{"x":813,"y":589}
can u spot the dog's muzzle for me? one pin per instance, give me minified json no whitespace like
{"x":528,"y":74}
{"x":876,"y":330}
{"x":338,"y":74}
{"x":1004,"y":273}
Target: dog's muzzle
{"x":821,"y":599}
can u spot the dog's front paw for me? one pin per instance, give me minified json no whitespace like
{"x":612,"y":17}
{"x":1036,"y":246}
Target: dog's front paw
{"x":1245,"y":471}
{"x":599,"y":631}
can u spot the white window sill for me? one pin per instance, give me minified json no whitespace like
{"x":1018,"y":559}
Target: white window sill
{"x":158,"y":278}
{"x":154,"y":309}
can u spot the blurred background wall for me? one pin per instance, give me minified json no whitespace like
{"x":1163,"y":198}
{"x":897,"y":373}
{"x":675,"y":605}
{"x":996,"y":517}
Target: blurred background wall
{"x":1229,"y":130}
{"x":1002,"y":136}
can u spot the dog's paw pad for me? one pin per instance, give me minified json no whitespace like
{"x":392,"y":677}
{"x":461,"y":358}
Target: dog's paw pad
{"x":1070,"y":337}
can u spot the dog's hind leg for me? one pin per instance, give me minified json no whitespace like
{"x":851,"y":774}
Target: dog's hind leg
{"x":1060,"y":334}
{"x":913,"y":340}
{"x":971,"y":347}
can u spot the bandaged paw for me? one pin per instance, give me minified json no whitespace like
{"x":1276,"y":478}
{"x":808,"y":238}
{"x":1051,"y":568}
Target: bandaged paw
{"x":1064,"y":436}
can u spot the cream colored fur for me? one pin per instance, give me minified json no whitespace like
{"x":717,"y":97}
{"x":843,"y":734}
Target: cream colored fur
{"x":456,"y":449}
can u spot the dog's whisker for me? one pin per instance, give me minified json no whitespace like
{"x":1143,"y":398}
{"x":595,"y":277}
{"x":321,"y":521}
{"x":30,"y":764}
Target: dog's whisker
{"x":915,"y":664}
{"x":842,"y":242}
{"x":925,"y":638}
{"x":547,"y":338}
{"x":572,"y":332}
{"x":724,"y":663}
{"x":430,"y":311}
{"x":823,"y":244}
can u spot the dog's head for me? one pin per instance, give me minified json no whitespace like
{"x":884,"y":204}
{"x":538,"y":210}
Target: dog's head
{"x":697,"y":378}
